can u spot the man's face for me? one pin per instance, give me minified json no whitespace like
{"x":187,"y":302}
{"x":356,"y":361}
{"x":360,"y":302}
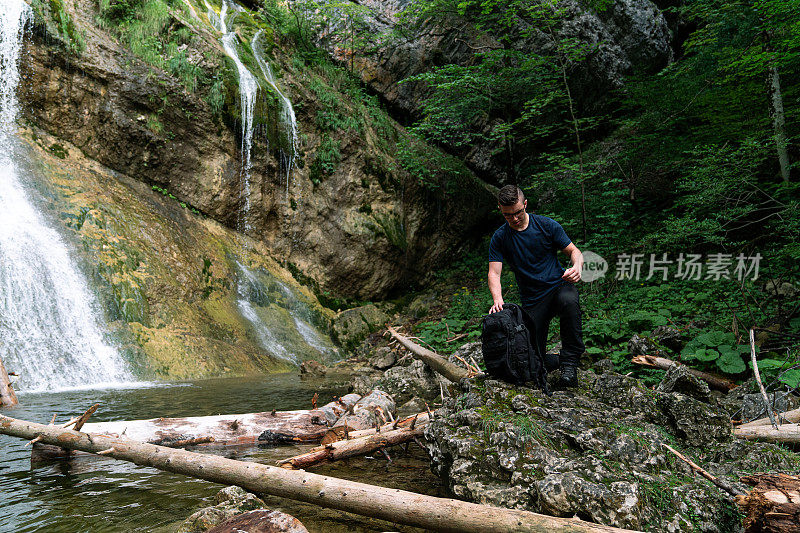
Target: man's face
{"x":515,"y":214}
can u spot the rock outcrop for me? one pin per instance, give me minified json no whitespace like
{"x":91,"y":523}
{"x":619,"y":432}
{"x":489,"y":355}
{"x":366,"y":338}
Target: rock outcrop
{"x":595,"y":452}
{"x":358,"y":230}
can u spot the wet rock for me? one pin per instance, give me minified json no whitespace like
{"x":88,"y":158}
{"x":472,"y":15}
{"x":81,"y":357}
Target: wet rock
{"x":679,"y":379}
{"x":260,"y":521}
{"x":596,"y":452}
{"x":411,"y":407}
{"x":313,"y":368}
{"x":383,"y":359}
{"x":352,"y":326}
{"x":229,"y":502}
{"x":416,"y":379}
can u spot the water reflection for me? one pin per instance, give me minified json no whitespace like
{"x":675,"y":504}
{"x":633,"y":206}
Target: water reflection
{"x":95,"y":494}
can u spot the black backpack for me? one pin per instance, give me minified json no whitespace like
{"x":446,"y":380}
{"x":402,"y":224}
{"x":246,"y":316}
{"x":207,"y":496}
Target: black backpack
{"x":508,"y":352}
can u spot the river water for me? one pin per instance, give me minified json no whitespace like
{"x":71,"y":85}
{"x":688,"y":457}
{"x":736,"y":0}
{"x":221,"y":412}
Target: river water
{"x":96,"y":494}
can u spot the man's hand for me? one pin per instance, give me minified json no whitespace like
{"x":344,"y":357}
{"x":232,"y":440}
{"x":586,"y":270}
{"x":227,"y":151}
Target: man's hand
{"x":572,"y":274}
{"x":498,"y":306}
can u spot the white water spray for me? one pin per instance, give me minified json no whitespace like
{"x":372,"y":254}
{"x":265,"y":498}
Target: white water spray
{"x":50,"y":331}
{"x":288,"y":118}
{"x":248,"y":89}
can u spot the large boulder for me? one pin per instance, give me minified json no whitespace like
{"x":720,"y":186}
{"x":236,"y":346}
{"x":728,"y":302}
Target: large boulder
{"x":596,"y":452}
{"x":352,"y":326}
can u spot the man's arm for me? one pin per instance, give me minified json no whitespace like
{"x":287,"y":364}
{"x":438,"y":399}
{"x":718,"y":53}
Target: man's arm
{"x":495,"y":268}
{"x":572,"y":274}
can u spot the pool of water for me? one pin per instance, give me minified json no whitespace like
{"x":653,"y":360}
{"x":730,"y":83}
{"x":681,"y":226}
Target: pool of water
{"x":95,"y":494}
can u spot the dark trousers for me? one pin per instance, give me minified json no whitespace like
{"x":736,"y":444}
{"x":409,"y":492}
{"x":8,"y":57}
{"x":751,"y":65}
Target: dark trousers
{"x":564,"y":303}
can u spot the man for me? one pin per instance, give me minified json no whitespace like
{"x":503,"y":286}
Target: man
{"x":528,"y":243}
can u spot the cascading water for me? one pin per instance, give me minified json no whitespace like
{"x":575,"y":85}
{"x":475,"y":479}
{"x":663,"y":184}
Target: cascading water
{"x":287,"y":111}
{"x":248,"y":90}
{"x":50,"y":330}
{"x":259,"y":303}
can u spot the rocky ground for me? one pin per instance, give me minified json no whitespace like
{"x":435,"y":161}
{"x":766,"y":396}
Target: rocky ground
{"x":596,"y":452}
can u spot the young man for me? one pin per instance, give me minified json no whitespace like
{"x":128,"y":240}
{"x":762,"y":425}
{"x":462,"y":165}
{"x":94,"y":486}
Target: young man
{"x":528,"y":244}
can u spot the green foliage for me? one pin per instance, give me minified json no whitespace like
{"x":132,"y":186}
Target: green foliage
{"x":59,"y":23}
{"x":718,"y":347}
{"x":152,"y":32}
{"x":434,"y":169}
{"x":327,"y":159}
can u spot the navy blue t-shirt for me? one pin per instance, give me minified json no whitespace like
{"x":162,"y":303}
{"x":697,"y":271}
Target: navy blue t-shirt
{"x":531,"y":254}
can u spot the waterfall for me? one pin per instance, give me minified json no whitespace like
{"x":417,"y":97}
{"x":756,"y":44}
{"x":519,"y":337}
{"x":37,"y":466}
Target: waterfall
{"x":287,"y":111}
{"x":248,"y":89}
{"x":50,"y":329}
{"x":279,"y":319}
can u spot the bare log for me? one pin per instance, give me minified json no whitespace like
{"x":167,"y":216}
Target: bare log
{"x":8,"y":397}
{"x":81,"y":421}
{"x":439,"y":364}
{"x":705,"y":473}
{"x":394,"y":505}
{"x":224,"y":430}
{"x":374,"y":408}
{"x":773,"y":505}
{"x":786,"y":433}
{"x":757,"y":374}
{"x":715,"y":382}
{"x":334,"y":434}
{"x":362,"y":445}
{"x":789,"y":417}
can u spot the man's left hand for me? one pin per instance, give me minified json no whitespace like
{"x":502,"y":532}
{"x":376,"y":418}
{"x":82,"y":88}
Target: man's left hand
{"x":572,"y":274}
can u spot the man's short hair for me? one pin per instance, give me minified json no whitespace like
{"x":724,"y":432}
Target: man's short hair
{"x":510,"y":195}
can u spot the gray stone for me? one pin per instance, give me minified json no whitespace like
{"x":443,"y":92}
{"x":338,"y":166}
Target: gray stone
{"x":596,"y":452}
{"x":416,"y":379}
{"x":753,"y":405}
{"x":229,"y":502}
{"x":679,"y":379}
{"x":643,"y":346}
{"x":313,"y":368}
{"x":384,"y":358}
{"x":669,"y":337}
{"x":352,"y":326}
{"x":411,"y":407}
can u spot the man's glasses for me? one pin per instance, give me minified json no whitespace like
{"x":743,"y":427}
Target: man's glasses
{"x":515,"y":214}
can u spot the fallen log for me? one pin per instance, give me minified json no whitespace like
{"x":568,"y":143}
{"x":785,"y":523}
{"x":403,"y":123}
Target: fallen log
{"x":786,"y":433}
{"x":334,"y":434}
{"x":375,"y":408}
{"x":715,"y":382}
{"x":773,"y":505}
{"x":789,"y":417}
{"x":438,"y":363}
{"x":362,"y":445}
{"x":394,"y":505}
{"x":273,"y":427}
{"x":8,"y":397}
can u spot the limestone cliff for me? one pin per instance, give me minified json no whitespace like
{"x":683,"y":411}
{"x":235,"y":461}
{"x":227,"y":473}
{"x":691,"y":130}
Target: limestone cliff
{"x":350,"y":219}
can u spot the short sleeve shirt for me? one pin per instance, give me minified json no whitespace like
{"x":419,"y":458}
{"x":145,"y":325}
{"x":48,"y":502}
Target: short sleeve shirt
{"x":531,"y":254}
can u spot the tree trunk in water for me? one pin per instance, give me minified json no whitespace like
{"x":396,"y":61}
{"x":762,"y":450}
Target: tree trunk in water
{"x":394,"y":505}
{"x":224,"y":430}
{"x":7,"y":395}
{"x":437,"y":363}
{"x":350,"y":448}
{"x":779,"y":122}
{"x":773,"y":505}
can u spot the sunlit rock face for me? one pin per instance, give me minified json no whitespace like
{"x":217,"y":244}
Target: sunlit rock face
{"x":363,"y":230}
